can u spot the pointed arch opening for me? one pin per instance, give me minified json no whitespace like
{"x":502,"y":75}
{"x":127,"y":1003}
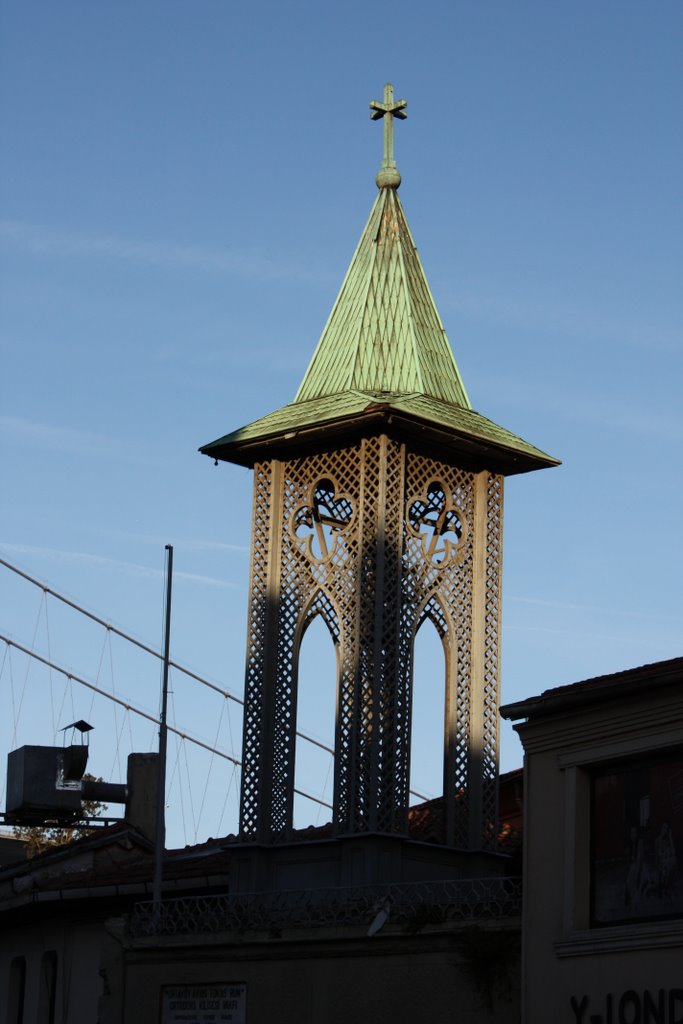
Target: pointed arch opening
{"x":428,"y":709}
{"x":316,"y":715}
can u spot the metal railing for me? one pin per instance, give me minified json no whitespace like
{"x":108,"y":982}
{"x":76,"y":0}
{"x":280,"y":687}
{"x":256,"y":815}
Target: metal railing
{"x":412,"y":905}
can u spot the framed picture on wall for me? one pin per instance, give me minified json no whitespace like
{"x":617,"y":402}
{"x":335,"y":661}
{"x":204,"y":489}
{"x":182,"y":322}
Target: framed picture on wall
{"x":637,"y":839}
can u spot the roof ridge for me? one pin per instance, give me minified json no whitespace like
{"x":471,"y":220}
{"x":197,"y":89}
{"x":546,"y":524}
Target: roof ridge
{"x":337,"y":301}
{"x":380,"y":201}
{"x":425,"y":281}
{"x":409,"y":301}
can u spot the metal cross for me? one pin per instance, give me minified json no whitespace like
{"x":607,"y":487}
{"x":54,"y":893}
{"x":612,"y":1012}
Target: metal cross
{"x":388,"y":110}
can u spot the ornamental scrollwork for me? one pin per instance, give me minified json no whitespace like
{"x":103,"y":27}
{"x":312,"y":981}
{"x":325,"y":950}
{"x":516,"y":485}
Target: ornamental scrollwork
{"x":440,"y":523}
{"x":318,"y":523}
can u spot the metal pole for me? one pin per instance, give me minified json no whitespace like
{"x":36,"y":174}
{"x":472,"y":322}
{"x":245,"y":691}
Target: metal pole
{"x":163,"y":739}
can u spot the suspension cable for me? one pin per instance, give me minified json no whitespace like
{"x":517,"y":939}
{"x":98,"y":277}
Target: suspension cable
{"x":138,"y":711}
{"x":174,"y":664}
{"x":144,"y":647}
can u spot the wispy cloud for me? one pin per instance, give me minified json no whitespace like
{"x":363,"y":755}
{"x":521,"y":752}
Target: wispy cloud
{"x":285,"y":359}
{"x":113,"y":564}
{"x":558,"y":318}
{"x":590,"y":609}
{"x":73,"y":244}
{"x":644,"y":418}
{"x":624,"y":417}
{"x":619,"y":638}
{"x":212,"y":545}
{"x":199,"y":546}
{"x":20,"y":430}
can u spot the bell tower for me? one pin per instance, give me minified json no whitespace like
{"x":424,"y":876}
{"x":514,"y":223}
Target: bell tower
{"x":378,"y":503}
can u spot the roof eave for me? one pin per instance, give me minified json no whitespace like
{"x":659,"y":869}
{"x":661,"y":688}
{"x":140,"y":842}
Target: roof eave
{"x":472,"y":450}
{"x":589,"y":692}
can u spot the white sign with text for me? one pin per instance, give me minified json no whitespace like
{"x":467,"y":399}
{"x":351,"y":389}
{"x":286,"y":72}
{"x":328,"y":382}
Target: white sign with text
{"x":204,"y":1004}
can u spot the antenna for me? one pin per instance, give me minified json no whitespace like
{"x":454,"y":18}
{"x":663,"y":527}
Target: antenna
{"x":163,"y":740}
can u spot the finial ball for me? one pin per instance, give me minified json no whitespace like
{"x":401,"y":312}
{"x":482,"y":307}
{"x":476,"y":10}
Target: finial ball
{"x":388,"y":177}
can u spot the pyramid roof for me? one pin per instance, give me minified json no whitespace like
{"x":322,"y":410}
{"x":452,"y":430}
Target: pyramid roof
{"x":384,"y":333}
{"x":383,"y":356}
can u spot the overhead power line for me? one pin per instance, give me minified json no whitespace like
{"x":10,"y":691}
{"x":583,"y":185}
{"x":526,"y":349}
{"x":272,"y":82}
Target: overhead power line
{"x":174,"y":664}
{"x":139,"y":711}
{"x":144,"y":647}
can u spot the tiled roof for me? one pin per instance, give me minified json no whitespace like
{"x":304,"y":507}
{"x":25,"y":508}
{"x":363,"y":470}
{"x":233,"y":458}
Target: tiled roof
{"x":301,"y":415}
{"x":591,"y":691}
{"x":426,"y":820}
{"x":113,"y":856}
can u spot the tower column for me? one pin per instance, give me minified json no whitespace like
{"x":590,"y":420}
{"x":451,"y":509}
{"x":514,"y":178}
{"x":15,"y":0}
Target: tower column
{"x":380,"y":791}
{"x":377,"y":505}
{"x":263,"y":809}
{"x":475,"y":748}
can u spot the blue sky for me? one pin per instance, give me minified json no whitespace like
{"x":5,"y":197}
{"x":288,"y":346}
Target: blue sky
{"x":182,"y":188}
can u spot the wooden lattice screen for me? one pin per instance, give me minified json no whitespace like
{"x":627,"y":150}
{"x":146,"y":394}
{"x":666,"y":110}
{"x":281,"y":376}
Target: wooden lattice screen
{"x":374,"y":538}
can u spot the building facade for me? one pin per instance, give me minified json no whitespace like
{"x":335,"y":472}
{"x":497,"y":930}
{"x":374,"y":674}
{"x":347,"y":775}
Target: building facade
{"x":378,"y":505}
{"x":603,"y":846}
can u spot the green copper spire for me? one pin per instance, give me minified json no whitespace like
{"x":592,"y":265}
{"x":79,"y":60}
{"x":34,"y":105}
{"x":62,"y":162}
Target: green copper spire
{"x":388,"y":176}
{"x":383,"y":356}
{"x":384,"y":333}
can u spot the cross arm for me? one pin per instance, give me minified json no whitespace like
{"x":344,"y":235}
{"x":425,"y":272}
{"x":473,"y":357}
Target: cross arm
{"x":378,"y":109}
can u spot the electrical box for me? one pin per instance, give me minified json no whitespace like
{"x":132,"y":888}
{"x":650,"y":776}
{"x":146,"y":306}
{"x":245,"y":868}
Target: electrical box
{"x":44,"y":784}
